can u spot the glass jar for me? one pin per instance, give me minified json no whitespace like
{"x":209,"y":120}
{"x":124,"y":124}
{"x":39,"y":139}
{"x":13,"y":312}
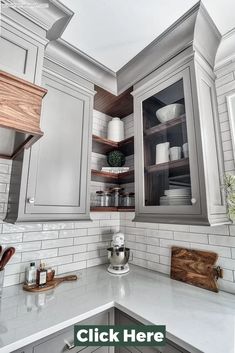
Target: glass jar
{"x":128,"y":199}
{"x":104,"y":198}
{"x":116,"y":196}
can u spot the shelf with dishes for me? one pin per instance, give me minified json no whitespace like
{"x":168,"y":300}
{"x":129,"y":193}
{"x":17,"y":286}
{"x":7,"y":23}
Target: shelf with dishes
{"x":115,"y":149}
{"x":162,"y":128}
{"x":176,"y":167}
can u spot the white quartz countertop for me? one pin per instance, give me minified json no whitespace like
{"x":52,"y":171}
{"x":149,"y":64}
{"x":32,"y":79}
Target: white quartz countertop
{"x":196,"y":319}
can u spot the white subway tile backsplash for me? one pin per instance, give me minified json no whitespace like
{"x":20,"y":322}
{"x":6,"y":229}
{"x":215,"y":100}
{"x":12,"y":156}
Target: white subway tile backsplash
{"x":39,"y":255}
{"x":47,"y":244}
{"x":222,"y":240}
{"x":72,"y":249}
{"x":223,"y":230}
{"x":31,"y":236}
{"x":11,"y":280}
{"x":191,"y":237}
{"x":11,"y":238}
{"x":72,"y":233}
{"x":27,"y":246}
{"x":96,"y":262}
{"x":166,"y":243}
{"x":100,"y":245}
{"x":158,"y":267}
{"x":86,"y":240}
{"x":58,"y":260}
{"x":74,"y":266}
{"x":26,"y":227}
{"x":57,"y":226}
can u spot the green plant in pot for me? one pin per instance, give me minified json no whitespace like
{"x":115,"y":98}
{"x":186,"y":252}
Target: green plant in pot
{"x":229,"y":186}
{"x":116,"y":159}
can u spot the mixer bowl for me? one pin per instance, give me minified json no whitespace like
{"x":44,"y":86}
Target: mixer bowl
{"x":118,"y":257}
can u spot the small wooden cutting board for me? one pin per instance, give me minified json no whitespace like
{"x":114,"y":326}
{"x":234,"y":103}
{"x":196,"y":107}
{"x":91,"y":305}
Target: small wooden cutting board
{"x":195,"y":267}
{"x":50,"y":285}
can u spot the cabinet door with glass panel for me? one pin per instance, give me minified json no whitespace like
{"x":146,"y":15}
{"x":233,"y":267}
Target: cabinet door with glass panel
{"x":166,"y":156}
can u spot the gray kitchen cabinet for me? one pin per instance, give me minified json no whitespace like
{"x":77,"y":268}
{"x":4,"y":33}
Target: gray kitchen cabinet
{"x":28,"y":51}
{"x":55,"y":175}
{"x":178,"y":162}
{"x":63,"y":341}
{"x":124,"y":319}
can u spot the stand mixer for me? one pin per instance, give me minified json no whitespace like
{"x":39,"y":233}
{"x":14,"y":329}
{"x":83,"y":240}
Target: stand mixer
{"x":118,"y":255}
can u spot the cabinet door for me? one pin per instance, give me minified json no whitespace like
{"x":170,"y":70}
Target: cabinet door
{"x":124,"y":319}
{"x":63,"y":341}
{"x":18,"y":55}
{"x":59,"y":174}
{"x":166,"y":166}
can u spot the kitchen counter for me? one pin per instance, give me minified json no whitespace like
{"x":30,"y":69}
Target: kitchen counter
{"x":195,"y":319}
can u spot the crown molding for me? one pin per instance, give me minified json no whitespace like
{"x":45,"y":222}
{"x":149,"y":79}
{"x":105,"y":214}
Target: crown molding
{"x":50,"y":15}
{"x":226,"y":50}
{"x":195,"y":28}
{"x":70,"y":58}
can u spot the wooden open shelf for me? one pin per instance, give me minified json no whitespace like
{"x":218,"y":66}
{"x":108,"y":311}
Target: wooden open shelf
{"x":179,"y":166}
{"x":103,"y":146}
{"x":105,"y":177}
{"x":165,"y":126}
{"x":113,"y":209}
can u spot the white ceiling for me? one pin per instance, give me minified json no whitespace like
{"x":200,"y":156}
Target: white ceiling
{"x":114,"y":31}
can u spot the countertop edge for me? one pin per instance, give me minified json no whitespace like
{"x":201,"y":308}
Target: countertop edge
{"x":53,"y":329}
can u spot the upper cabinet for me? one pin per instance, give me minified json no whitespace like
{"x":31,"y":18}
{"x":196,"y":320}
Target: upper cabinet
{"x":58,"y":176}
{"x":178,"y":160}
{"x":55,"y":175}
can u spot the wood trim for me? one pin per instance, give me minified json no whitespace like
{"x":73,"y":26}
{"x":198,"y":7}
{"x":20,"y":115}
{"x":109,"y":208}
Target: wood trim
{"x":115,"y":106}
{"x":20,"y":109}
{"x":105,"y":177}
{"x":103,"y":146}
{"x":113,"y":209}
{"x":172,"y":165}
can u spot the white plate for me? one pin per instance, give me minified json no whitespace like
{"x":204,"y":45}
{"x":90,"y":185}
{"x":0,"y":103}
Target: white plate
{"x":178,"y":192}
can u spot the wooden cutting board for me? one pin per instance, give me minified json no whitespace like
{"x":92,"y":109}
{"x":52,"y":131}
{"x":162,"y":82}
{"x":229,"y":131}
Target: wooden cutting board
{"x":195,"y":267}
{"x":50,"y":285}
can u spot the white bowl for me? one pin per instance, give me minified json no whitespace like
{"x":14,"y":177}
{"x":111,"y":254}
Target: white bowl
{"x":170,"y":112}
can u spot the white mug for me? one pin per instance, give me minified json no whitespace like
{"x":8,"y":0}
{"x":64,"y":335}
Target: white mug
{"x":185,"y":150}
{"x":175,"y":153}
{"x":162,"y":152}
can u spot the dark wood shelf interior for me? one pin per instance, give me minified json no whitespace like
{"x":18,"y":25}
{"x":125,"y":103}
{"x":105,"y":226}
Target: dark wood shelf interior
{"x":103,"y":146}
{"x":180,"y":166}
{"x":106,"y":177}
{"x":113,"y":209}
{"x":161,"y":128}
{"x":112,"y":105}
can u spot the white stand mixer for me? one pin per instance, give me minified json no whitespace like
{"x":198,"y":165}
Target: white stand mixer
{"x":118,"y":255}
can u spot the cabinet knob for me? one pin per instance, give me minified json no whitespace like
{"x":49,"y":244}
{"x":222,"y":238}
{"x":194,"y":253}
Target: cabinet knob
{"x":69,"y":346}
{"x":31,"y":200}
{"x":193,"y":200}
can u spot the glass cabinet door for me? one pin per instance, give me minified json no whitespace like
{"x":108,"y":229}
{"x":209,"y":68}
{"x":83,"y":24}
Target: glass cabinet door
{"x":166,"y":149}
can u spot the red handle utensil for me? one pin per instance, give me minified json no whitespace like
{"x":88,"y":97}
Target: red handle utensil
{"x":8,"y":253}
